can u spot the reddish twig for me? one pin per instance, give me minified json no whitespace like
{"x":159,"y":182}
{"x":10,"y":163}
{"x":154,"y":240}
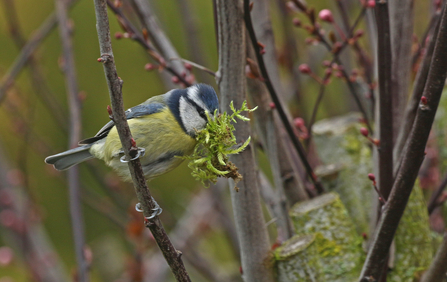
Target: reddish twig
{"x":135,"y":35}
{"x":434,"y":198}
{"x":436,"y":271}
{"x":412,"y":160}
{"x":385,"y":149}
{"x":298,"y":146}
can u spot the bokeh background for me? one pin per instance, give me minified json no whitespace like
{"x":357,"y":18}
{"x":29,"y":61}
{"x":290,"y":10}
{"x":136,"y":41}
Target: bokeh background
{"x":30,"y":130}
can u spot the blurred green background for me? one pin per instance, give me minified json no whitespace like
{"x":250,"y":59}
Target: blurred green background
{"x":29,"y":132}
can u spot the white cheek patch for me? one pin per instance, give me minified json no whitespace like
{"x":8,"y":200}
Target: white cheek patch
{"x":190,"y":117}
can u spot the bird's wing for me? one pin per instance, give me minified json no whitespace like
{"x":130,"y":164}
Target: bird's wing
{"x":137,"y":111}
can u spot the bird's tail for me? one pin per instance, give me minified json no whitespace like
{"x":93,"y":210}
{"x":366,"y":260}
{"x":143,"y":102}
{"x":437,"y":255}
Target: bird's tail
{"x":67,"y":159}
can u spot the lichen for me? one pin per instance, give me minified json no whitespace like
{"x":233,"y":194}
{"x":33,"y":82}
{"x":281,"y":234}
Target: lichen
{"x":339,"y":247}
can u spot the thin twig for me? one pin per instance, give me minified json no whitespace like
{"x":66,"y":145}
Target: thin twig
{"x":413,"y":104}
{"x":31,"y":238}
{"x":436,"y":271}
{"x":74,"y":136}
{"x":434,"y":198}
{"x":171,"y":255}
{"x":413,"y":157}
{"x":200,"y":67}
{"x":158,"y":36}
{"x":384,"y":55}
{"x":298,"y":146}
{"x":143,"y":42}
{"x":315,"y":108}
{"x":23,"y":58}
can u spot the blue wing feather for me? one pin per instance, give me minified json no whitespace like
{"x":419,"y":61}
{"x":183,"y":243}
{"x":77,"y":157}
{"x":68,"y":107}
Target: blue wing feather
{"x":134,"y":112}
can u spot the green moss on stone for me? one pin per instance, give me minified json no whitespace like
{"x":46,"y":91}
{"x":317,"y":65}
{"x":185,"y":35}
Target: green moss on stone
{"x":413,"y":241}
{"x":339,"y":247}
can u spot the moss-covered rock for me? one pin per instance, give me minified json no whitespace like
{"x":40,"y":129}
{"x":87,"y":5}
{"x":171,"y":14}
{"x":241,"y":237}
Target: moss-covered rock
{"x":339,"y":246}
{"x":297,"y":260}
{"x":340,"y":146}
{"x":413,"y":241}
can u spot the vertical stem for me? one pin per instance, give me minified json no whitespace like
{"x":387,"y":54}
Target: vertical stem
{"x":385,"y":150}
{"x":250,"y":224}
{"x":74,"y":136}
{"x":412,"y":160}
{"x":436,"y":272}
{"x":401,"y":28}
{"x":172,"y":256}
{"x":282,"y":114}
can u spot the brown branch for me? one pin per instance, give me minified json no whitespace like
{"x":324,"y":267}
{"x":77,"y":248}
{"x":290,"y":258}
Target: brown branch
{"x":413,"y":157}
{"x":384,"y":55}
{"x":172,"y":256}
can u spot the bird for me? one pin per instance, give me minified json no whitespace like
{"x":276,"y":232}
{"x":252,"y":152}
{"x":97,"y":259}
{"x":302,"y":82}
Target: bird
{"x":164,"y":126}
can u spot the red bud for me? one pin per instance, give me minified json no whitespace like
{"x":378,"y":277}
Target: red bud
{"x":299,"y":122}
{"x":296,"y":22}
{"x":304,"y":68}
{"x":372,"y":177}
{"x":118,"y":35}
{"x":326,"y":15}
{"x":364,"y":131}
{"x":109,"y":110}
{"x":424,"y":100}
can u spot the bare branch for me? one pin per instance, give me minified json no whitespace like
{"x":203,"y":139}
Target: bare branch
{"x":157,"y":35}
{"x":437,"y":270}
{"x":434,"y":198}
{"x":413,"y":104}
{"x":298,"y":146}
{"x":171,"y":255}
{"x":384,"y":55}
{"x":413,"y":157}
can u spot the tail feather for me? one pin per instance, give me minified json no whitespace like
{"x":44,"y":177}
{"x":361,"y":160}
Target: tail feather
{"x":67,"y":159}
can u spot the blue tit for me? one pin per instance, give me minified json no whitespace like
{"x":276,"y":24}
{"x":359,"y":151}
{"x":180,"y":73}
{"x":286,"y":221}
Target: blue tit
{"x":165,"y":126}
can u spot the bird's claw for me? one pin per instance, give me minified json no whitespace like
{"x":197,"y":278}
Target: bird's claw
{"x":155,"y":211}
{"x":140,"y":153}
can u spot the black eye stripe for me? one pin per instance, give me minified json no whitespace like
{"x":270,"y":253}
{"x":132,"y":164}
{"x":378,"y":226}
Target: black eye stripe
{"x":199,"y":109}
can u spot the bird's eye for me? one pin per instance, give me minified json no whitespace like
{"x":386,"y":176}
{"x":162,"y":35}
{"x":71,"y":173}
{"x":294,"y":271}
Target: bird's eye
{"x":202,"y":113}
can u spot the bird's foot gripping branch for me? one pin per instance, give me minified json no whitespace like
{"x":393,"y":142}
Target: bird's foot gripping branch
{"x":214,"y":144}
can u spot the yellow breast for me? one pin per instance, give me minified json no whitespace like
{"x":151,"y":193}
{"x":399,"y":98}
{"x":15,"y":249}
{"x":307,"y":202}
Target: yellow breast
{"x":159,"y":134}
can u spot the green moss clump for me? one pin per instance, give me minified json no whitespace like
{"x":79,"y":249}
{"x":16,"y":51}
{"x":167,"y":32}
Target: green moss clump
{"x":214,"y":144}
